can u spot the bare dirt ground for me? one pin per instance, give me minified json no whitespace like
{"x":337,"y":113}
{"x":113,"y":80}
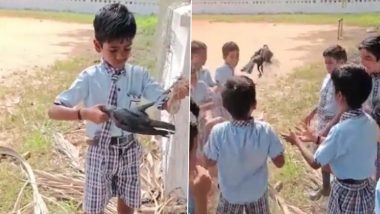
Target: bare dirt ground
{"x":294,"y":45}
{"x":27,"y":43}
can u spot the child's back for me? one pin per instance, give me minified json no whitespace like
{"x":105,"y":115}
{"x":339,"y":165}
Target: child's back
{"x":243,"y":148}
{"x":240,"y":149}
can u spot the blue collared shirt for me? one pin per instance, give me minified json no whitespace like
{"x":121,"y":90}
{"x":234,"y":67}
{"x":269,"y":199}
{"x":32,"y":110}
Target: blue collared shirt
{"x":93,"y":85}
{"x":350,"y":148}
{"x":241,"y":150}
{"x":205,"y":76}
{"x":222,"y":74}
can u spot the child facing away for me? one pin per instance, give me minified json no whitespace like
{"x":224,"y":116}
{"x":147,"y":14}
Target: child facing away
{"x":113,"y":156}
{"x":334,"y":56}
{"x":349,"y":150}
{"x":240,"y":149}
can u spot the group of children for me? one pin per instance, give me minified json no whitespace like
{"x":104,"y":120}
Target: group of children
{"x":345,"y":138}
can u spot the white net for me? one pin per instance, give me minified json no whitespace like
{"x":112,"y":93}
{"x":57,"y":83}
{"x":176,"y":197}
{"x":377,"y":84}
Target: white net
{"x":173,"y":61}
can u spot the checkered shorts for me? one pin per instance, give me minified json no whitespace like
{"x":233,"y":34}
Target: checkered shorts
{"x":352,"y":198}
{"x":260,"y":206}
{"x":112,"y":172}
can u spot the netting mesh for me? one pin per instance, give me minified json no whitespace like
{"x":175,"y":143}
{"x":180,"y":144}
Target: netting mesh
{"x":173,"y":42}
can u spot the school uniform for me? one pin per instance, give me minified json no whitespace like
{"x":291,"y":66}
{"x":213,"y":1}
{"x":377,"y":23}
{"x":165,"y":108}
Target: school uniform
{"x":241,"y":150}
{"x":200,"y":93}
{"x":205,"y":76}
{"x":350,"y":150}
{"x":113,"y":159}
{"x":327,"y":107}
{"x":223,"y":73}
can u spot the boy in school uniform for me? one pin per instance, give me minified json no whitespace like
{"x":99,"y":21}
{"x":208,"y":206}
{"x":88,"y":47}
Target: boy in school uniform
{"x":199,"y":178}
{"x":240,"y":149}
{"x":349,"y":150}
{"x":334,"y":56}
{"x":230,"y":51}
{"x":370,"y":58}
{"x":199,"y":58}
{"x":113,"y":156}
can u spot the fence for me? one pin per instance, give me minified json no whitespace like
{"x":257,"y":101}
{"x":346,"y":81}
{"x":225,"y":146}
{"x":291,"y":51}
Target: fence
{"x":284,"y":6}
{"x":141,"y":7}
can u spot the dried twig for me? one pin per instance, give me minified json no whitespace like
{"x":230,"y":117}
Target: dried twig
{"x":38,"y":203}
{"x":18,"y":200}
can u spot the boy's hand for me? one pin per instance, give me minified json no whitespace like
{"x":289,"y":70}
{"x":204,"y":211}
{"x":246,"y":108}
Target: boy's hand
{"x":306,"y":134}
{"x":180,"y":89}
{"x":309,"y":118}
{"x":292,"y":138}
{"x":200,"y":183}
{"x":95,"y":114}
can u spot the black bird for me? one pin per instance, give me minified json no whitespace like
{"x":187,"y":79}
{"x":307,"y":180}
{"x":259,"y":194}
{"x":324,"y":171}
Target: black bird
{"x":136,"y":120}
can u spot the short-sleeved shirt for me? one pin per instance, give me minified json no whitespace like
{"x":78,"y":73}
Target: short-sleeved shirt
{"x":200,"y":93}
{"x":223,"y":73}
{"x":350,"y":148}
{"x":327,"y":107}
{"x":241,"y":150}
{"x":93,"y":85}
{"x":205,"y":75}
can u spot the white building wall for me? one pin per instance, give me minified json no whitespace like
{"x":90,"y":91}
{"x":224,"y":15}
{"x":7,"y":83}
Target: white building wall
{"x":141,"y":7}
{"x":284,"y":6}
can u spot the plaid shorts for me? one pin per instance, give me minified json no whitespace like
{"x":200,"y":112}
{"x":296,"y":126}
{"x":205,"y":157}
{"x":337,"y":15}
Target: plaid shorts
{"x":352,"y":198}
{"x":112,"y":172}
{"x":260,"y":206}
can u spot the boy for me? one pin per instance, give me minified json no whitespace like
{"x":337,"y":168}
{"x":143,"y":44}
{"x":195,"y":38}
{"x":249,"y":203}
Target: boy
{"x":334,"y":56}
{"x":370,"y":58}
{"x":349,"y":150}
{"x":230,"y":51}
{"x":240,"y":149}
{"x":199,"y":178}
{"x":113,"y":158}
{"x":198,"y":58}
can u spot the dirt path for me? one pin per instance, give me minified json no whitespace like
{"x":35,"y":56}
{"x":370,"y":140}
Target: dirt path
{"x":28,"y":43}
{"x":293,"y":45}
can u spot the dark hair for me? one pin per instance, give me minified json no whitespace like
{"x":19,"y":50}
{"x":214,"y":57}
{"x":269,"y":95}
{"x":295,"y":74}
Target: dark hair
{"x":372,"y":45}
{"x":336,"y":52}
{"x":194,"y":109}
{"x":239,"y":94}
{"x":114,"y":21}
{"x":197,"y":46}
{"x":375,"y":114}
{"x":229,"y":47}
{"x":354,"y":83}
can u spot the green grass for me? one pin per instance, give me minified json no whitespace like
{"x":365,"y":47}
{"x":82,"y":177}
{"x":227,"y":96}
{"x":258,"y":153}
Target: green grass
{"x":28,"y":125}
{"x":285,"y":109}
{"x":363,"y":19}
